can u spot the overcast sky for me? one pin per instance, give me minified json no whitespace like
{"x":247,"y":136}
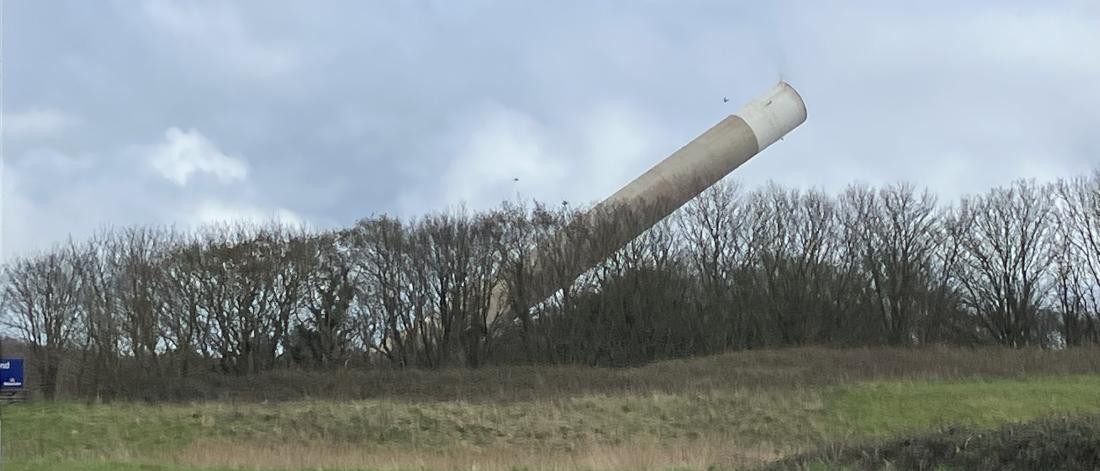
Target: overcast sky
{"x":127,"y":112}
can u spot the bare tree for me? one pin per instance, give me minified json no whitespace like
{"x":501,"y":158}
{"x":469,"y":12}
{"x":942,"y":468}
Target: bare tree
{"x":42,"y":298}
{"x":1006,"y":244}
{"x":381,"y":252}
{"x":538,"y":252}
{"x":487,"y":267}
{"x":945,"y":321}
{"x":329,"y":294}
{"x":1071,"y":289}
{"x":898,"y":235}
{"x":250,"y":280}
{"x":102,"y":332}
{"x":1077,"y":258}
{"x":187,"y":276}
{"x":134,"y":255}
{"x":793,"y":237}
{"x":456,"y":253}
{"x":715,"y":234}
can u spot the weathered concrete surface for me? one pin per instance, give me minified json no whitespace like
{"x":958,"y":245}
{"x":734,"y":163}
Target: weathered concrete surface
{"x":680,"y":177}
{"x":713,"y":155}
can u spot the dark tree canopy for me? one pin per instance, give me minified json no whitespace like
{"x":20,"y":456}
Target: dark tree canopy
{"x":137,"y":310}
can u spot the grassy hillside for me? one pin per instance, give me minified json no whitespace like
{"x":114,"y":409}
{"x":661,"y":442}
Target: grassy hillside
{"x":727,"y":411}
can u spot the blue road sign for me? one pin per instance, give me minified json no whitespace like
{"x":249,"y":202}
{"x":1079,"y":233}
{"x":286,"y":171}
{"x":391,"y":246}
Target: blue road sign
{"x":11,"y":373}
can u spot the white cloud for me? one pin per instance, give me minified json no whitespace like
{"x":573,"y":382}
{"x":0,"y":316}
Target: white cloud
{"x":48,"y":196}
{"x":507,"y":145}
{"x":508,"y":154}
{"x":185,"y":153}
{"x":37,"y":123}
{"x":619,"y":144}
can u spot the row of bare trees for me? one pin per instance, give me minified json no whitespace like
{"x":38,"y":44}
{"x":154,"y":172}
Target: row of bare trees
{"x":733,"y":269}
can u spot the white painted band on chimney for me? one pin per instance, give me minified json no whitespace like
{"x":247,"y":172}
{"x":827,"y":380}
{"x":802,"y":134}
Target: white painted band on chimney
{"x":774,"y":114}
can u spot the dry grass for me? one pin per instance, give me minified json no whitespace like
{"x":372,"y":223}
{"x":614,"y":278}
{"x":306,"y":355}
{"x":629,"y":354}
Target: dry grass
{"x":812,"y":366}
{"x":725,"y":411}
{"x":640,"y":456}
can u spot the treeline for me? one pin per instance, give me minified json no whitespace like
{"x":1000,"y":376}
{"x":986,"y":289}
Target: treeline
{"x":146,"y":307}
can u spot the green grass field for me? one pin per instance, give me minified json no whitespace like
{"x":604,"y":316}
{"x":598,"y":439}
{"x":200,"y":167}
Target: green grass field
{"x":709,"y":422}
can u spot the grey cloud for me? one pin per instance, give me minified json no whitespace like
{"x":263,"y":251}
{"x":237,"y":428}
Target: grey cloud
{"x":215,"y":36}
{"x":36,"y":123}
{"x":361,"y":107}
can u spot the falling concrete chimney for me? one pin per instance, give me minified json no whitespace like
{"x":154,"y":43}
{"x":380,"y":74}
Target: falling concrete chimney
{"x":677,"y":179}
